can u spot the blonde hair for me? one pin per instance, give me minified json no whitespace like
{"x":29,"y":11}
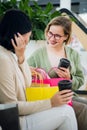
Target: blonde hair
{"x":63,"y":21}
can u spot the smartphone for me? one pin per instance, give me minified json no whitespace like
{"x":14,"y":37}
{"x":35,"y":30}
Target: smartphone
{"x":64,"y":63}
{"x":14,"y":38}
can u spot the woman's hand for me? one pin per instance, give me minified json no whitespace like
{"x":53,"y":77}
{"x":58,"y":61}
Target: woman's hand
{"x":63,"y":73}
{"x":19,"y":47}
{"x":61,"y":98}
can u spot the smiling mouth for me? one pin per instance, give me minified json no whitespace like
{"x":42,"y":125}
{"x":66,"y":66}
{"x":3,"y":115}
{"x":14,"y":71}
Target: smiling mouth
{"x":53,"y":43}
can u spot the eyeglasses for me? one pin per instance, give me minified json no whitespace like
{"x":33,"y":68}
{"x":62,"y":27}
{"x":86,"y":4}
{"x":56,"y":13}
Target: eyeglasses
{"x":56,"y":36}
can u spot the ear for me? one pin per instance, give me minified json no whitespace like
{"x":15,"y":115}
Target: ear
{"x":66,"y":37}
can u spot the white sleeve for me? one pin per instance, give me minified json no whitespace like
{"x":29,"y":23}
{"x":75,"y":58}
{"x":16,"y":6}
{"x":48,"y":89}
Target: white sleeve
{"x":26,"y":72}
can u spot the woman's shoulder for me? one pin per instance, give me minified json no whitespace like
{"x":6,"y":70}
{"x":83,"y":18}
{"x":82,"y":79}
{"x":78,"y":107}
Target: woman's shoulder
{"x":40,"y":50}
{"x":71,"y":50}
{"x":4,"y":57}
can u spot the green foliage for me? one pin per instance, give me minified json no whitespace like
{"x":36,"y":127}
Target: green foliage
{"x":39,"y":16}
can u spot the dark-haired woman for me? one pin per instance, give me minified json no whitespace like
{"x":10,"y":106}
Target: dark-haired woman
{"x":15,"y":75}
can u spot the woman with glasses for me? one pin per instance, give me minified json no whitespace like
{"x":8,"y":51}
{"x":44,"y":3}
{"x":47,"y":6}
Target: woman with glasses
{"x":58,"y":34}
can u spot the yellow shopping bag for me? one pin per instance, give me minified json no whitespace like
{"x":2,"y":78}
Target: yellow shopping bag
{"x":40,"y":91}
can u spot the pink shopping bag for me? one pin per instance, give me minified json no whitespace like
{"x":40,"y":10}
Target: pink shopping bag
{"x":52,"y":82}
{"x":46,"y":78}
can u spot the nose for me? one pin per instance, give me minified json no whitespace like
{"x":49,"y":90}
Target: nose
{"x":52,"y":37}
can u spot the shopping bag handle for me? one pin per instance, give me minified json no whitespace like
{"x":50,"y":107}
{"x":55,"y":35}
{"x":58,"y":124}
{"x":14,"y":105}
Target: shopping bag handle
{"x":37,"y":74}
{"x":43,"y":73}
{"x":52,"y":69}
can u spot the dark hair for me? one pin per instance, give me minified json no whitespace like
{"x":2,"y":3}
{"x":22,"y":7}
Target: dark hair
{"x":13,"y":21}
